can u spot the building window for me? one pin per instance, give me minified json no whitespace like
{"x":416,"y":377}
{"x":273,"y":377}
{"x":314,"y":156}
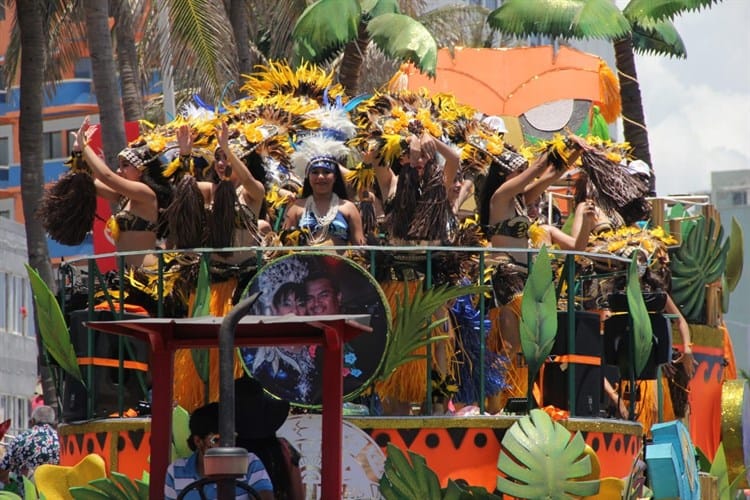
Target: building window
{"x":52,"y":144}
{"x":4,"y":151}
{"x":739,"y":197}
{"x":3,"y":302}
{"x":83,"y":68}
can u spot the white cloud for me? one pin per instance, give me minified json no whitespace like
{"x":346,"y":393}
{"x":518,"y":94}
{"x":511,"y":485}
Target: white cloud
{"x":698,"y":109}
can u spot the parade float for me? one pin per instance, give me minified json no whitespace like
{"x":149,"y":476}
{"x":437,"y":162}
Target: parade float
{"x":116,"y":367}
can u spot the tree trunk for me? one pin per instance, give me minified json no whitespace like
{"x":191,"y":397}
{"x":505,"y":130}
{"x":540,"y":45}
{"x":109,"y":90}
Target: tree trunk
{"x":127,"y":60}
{"x":105,"y":79}
{"x":634,"y":122}
{"x":238,"y":14}
{"x":31,"y":15}
{"x":351,"y":63}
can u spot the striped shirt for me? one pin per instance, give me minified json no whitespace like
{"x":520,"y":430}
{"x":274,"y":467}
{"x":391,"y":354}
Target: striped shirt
{"x":184,"y":471}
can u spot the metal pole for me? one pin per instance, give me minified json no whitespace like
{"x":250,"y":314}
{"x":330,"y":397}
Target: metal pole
{"x":225,"y":487}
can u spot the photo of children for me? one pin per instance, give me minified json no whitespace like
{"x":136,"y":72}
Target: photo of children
{"x":316,"y":284}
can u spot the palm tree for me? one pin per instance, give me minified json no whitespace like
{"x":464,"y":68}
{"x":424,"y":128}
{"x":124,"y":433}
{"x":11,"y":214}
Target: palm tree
{"x":643,"y":26}
{"x":127,"y":60}
{"x":30,"y":15}
{"x":329,"y":28}
{"x":104,"y":75}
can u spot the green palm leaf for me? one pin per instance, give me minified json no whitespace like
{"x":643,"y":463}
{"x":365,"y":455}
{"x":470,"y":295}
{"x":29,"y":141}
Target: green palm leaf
{"x":52,"y":327}
{"x":538,"y":313}
{"x":541,"y":460}
{"x":560,"y":18}
{"x":642,"y":331}
{"x":403,"y":38}
{"x":375,"y":8}
{"x":201,"y":35}
{"x":735,"y":258}
{"x":653,"y":9}
{"x":658,"y":37}
{"x":412,"y":326}
{"x":326,"y":26}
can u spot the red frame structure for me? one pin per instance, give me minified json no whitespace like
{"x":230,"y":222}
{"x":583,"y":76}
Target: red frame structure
{"x":169,"y":334}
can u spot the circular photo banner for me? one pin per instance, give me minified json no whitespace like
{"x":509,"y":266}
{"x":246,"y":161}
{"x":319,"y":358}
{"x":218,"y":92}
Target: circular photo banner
{"x":316,"y":284}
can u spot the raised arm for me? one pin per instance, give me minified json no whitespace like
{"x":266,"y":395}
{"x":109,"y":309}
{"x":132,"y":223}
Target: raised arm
{"x":134,"y":190}
{"x":254,"y":189}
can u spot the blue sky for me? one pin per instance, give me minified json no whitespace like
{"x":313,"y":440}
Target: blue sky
{"x":698,"y":109}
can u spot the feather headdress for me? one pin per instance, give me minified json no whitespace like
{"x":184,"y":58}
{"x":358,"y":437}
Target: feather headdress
{"x":317,"y":149}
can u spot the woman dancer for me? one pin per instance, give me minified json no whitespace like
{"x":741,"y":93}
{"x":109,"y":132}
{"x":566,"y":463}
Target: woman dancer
{"x":324,"y":213}
{"x":138,"y":189}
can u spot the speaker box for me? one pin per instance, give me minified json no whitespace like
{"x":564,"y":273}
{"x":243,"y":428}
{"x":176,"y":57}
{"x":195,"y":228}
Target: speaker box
{"x":617,"y":337}
{"x":588,"y":377}
{"x":105,"y":381}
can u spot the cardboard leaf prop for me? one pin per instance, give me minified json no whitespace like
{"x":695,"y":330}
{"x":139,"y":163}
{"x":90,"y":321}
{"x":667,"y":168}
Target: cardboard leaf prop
{"x":52,"y":327}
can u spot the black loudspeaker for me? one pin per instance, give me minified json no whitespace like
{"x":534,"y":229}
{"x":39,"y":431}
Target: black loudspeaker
{"x":105,"y":381}
{"x":617,"y":332}
{"x":588,"y":377}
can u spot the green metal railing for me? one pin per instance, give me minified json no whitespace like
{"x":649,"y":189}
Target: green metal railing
{"x":569,"y":278}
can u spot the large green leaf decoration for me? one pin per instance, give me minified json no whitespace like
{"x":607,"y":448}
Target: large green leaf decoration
{"x":567,"y":19}
{"x":117,"y":487}
{"x":406,"y":39}
{"x":735,"y":256}
{"x":700,"y":261}
{"x":538,"y":326}
{"x":540,"y":459}
{"x":52,"y":327}
{"x":642,"y":332}
{"x":412,"y":325}
{"x":325,"y":26}
{"x":201,"y":308}
{"x":402,"y":479}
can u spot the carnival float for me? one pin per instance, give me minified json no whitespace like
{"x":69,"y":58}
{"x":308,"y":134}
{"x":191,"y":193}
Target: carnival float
{"x":435,"y":402}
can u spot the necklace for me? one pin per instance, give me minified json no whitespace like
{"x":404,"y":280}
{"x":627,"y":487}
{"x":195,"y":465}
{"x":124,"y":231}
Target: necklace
{"x":324,"y":220}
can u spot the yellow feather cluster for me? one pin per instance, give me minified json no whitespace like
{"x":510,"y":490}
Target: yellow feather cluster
{"x":362,"y":177}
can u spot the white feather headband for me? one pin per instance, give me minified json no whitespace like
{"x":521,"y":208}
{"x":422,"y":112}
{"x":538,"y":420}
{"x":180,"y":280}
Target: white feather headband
{"x":317,"y":149}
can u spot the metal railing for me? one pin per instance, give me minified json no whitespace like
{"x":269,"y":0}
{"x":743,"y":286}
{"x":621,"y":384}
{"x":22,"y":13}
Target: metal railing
{"x":95,"y":280}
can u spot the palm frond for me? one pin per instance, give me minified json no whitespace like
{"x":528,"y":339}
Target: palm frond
{"x":326,"y":26}
{"x":581,"y":19}
{"x":201,"y":39}
{"x":381,"y":7}
{"x":459,"y":25}
{"x":412,"y":325}
{"x":404,"y":38}
{"x":663,"y":9}
{"x":271,"y":24}
{"x":658,"y":37}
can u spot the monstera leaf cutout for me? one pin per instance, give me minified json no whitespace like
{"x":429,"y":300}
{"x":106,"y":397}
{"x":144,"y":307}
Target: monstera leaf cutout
{"x":402,"y":479}
{"x":700,"y":261}
{"x":52,"y":327}
{"x":541,"y":459}
{"x":734,"y":256}
{"x":538,"y":314}
{"x":642,"y":331}
{"x":412,"y":324}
